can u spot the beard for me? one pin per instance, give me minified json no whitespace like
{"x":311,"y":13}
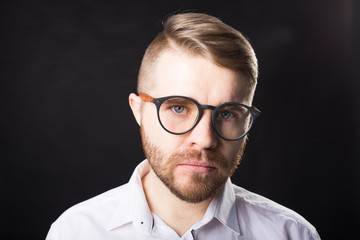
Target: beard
{"x":194,"y":187}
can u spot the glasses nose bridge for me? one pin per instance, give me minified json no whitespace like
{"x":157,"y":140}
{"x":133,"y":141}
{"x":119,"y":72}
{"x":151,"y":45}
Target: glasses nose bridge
{"x":203,"y":107}
{"x":201,"y":113}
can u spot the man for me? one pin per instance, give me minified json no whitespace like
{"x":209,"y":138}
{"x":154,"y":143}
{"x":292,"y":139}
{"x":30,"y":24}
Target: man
{"x":196,"y":85}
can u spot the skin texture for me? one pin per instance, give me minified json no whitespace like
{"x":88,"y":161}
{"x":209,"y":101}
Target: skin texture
{"x":189,"y":169}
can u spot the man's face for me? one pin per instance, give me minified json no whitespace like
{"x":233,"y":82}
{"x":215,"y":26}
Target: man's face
{"x":194,"y":165}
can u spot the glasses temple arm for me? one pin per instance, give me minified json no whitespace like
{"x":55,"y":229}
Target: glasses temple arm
{"x":255,"y":111}
{"x":145,"y":97}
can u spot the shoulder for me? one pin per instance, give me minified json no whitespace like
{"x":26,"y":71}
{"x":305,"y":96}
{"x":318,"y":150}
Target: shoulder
{"x":263,"y":214}
{"x":95,"y":213}
{"x":107,"y":200}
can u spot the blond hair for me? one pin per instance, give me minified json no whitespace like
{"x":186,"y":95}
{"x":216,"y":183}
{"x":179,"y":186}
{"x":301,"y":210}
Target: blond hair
{"x":202,"y":35}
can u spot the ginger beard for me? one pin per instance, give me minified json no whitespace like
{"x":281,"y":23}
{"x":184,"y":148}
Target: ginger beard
{"x":194,"y":187}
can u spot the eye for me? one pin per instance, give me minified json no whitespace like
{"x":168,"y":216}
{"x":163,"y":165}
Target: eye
{"x":226,"y":115}
{"x":178,"y":109}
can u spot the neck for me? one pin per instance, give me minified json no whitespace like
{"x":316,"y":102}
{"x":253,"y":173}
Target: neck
{"x":176,"y":213}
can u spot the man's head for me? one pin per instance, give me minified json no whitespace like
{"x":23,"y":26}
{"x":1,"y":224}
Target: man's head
{"x":198,"y":57}
{"x":201,"y":35}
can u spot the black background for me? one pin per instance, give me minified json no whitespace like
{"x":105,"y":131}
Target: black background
{"x":67,"y":133}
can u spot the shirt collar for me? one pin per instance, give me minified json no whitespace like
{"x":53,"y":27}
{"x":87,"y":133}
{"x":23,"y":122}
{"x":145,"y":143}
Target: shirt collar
{"x":223,"y":208}
{"x":134,"y":208}
{"x":226,"y":211}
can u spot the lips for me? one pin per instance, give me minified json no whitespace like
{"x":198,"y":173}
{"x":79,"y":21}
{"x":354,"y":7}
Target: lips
{"x":197,"y":167}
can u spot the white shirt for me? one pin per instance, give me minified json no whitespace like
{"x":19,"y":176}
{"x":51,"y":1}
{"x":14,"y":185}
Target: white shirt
{"x":123,"y":213}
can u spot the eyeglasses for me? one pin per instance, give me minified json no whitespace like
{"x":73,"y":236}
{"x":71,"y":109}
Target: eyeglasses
{"x":179,"y":115}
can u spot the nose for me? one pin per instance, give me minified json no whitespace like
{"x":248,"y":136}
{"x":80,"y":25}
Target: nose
{"x":203,"y":136}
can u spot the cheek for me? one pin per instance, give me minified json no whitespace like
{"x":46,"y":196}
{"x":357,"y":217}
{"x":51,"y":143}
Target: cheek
{"x":149,"y":121}
{"x":156,"y":135}
{"x":231,"y":149}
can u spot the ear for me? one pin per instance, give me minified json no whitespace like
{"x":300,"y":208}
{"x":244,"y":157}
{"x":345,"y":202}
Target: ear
{"x":135,"y":105}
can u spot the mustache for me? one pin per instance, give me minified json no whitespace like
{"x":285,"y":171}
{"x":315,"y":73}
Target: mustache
{"x":214,"y":158}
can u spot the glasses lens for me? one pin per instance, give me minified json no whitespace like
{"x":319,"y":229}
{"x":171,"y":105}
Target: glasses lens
{"x":178,"y":115}
{"x":232,"y":121}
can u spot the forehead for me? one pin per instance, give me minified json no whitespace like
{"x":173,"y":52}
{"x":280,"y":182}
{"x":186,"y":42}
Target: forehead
{"x":179,"y":73}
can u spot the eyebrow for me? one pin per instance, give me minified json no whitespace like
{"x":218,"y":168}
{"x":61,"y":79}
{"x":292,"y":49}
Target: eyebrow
{"x":178,"y":100}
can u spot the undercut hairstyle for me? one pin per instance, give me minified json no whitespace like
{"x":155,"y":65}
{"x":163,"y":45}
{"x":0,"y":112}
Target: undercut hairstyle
{"x":201,"y":35}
